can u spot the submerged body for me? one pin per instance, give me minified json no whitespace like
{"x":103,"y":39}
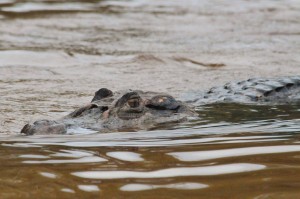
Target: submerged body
{"x":133,"y":110}
{"x":268,"y":91}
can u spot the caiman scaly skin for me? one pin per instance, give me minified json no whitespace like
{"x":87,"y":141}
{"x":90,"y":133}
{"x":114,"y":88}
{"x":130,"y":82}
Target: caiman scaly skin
{"x":135,"y":109}
{"x":281,"y":90}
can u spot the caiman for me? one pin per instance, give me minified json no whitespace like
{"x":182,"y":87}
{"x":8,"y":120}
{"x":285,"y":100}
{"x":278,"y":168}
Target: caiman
{"x":135,"y":110}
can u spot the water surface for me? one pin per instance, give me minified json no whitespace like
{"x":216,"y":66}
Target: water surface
{"x":241,"y":156}
{"x":55,"y":54}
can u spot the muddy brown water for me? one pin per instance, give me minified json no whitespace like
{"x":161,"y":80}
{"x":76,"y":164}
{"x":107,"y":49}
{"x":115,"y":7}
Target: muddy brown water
{"x":55,"y":54}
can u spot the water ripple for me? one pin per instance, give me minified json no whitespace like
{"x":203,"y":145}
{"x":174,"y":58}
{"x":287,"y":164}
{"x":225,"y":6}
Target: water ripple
{"x":224,"y":153}
{"x":173,"y":172}
{"x":39,"y":6}
{"x":125,"y":155}
{"x":143,"y":187}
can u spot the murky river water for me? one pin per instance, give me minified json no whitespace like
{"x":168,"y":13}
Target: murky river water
{"x":55,"y":54}
{"x":229,"y":153}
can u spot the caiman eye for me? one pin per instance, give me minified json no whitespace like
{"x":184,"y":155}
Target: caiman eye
{"x":134,"y":103}
{"x":163,"y":103}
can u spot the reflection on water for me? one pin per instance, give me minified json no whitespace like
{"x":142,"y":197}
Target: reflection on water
{"x":143,"y":187}
{"x":88,"y":188}
{"x":48,"y":175}
{"x":126,"y":156}
{"x":173,"y":172}
{"x":208,"y":155}
{"x":82,"y":157}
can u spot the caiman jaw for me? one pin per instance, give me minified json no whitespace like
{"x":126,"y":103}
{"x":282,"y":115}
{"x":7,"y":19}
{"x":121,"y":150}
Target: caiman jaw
{"x":132,"y":114}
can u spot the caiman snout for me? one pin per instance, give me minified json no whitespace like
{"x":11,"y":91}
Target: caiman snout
{"x":44,"y":127}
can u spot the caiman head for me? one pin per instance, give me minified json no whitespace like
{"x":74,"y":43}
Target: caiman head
{"x":119,"y":111}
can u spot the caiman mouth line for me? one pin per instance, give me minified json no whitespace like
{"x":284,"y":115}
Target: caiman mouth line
{"x":130,"y":115}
